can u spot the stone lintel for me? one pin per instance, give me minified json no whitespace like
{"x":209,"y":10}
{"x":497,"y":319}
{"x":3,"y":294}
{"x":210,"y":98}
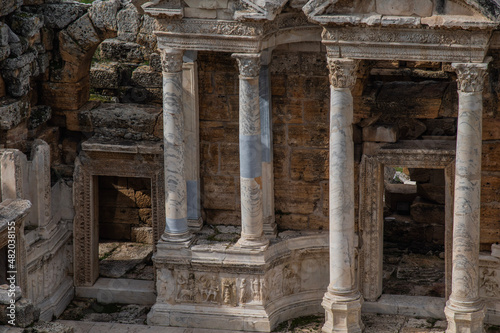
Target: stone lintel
{"x":114,"y":145}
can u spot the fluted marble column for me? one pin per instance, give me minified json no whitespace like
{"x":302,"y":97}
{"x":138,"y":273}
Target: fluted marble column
{"x":464,"y":309}
{"x":250,"y":152}
{"x":342,"y":301}
{"x":176,"y":226}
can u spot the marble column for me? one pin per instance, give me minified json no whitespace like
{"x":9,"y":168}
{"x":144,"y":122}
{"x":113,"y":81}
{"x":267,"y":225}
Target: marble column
{"x":250,"y":152}
{"x":270,"y":229}
{"x":464,"y":309}
{"x":176,"y":225}
{"x":342,"y":301}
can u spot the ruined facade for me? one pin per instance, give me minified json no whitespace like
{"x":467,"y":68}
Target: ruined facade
{"x":249,"y":143}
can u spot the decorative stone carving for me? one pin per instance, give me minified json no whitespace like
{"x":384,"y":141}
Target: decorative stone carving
{"x":171,"y":60}
{"x":257,"y":10}
{"x":248,"y":64}
{"x":210,"y":289}
{"x":186,"y":288}
{"x":243,"y":291}
{"x":229,"y":292}
{"x":342,"y":72}
{"x":256,"y":290}
{"x":490,"y":283}
{"x":470,"y":77}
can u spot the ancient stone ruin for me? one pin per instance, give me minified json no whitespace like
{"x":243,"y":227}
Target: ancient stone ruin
{"x":233,"y":164}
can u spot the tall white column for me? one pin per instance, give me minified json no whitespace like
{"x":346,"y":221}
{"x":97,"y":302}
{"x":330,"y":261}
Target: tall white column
{"x":176,"y":226}
{"x":250,"y":152}
{"x":464,"y":309}
{"x":342,"y":301}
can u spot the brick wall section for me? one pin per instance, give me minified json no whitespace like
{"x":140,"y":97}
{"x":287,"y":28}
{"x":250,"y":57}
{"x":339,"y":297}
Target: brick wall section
{"x":124,"y":203}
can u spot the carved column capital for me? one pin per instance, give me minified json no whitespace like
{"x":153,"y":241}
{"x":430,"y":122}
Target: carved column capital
{"x":248,"y":64}
{"x":342,"y":72}
{"x":171,"y":60}
{"x":470,"y":76}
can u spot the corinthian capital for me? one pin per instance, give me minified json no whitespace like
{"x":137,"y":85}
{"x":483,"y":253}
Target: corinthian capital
{"x":470,"y":76}
{"x":342,"y":72}
{"x":171,"y":60}
{"x":248,"y":64}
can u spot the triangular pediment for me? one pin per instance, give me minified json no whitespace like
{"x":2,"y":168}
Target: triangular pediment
{"x":462,"y":13}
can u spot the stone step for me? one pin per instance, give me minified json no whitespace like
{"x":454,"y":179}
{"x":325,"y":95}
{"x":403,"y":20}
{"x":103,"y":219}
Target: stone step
{"x":123,"y":291}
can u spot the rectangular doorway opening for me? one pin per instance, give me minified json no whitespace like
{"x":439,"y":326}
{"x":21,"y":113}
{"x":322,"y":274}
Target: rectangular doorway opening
{"x":125,"y":228}
{"x":414,"y":232}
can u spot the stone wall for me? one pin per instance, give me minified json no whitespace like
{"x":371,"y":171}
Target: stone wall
{"x":397,"y":101}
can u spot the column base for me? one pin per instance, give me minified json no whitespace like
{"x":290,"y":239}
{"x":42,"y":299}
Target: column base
{"x":343,"y":314}
{"x":179,"y":239}
{"x":464,"y":319}
{"x":270,"y":228}
{"x":260,"y":243}
{"x":195,"y":224}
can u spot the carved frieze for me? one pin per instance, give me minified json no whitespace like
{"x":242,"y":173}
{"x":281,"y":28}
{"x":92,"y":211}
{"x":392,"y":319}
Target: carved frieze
{"x":470,"y":76}
{"x":489,"y":283}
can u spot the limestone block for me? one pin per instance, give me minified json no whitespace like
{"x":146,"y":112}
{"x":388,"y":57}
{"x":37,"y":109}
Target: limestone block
{"x":309,"y":164}
{"x":60,"y":15}
{"x":26,"y":24}
{"x":491,"y":129}
{"x":26,"y":313}
{"x":146,"y":77}
{"x":155,"y":62}
{"x":105,"y":75}
{"x":19,"y":47}
{"x":145,"y":215}
{"x":143,"y":199}
{"x":4,"y":294}
{"x":114,"y":49}
{"x":490,"y":187}
{"x":220,"y":192}
{"x":104,"y":14}
{"x":495,"y":250}
{"x":371,"y":148}
{"x":207,"y":4}
{"x":39,"y":115}
{"x":18,"y":80}
{"x":304,"y":200}
{"x":427,"y":212}
{"x":8,"y":6}
{"x":12,"y":112}
{"x":146,"y":37}
{"x":82,"y":32}
{"x":128,"y":22}
{"x":65,"y":96}
{"x":381,"y":133}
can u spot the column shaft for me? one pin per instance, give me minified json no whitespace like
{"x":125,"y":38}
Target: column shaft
{"x":250,"y":152}
{"x":176,"y":228}
{"x":465,"y":310}
{"x":342,"y":301}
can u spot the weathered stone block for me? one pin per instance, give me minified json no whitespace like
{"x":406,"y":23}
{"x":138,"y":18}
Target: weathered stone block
{"x":103,"y":14}
{"x":82,"y":31}
{"x":146,"y":77}
{"x":19,"y":62}
{"x":142,"y":235}
{"x":428,"y":213}
{"x":145,"y":216}
{"x":224,"y":217}
{"x":287,"y":110}
{"x":26,"y":24}
{"x":291,"y":221}
{"x":12,"y":112}
{"x":60,"y":15}
{"x":4,"y":52}
{"x":105,"y":75}
{"x":210,"y":158}
{"x":381,"y":133}
{"x":65,"y":96}
{"x":114,"y":49}
{"x":491,"y":156}
{"x":4,"y":34}
{"x":128,"y":22}
{"x":8,"y":6}
{"x":40,"y":114}
{"x":143,"y":199}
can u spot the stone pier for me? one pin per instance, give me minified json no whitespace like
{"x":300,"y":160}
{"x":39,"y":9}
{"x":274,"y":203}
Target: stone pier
{"x":176,"y":225}
{"x":465,"y":309}
{"x":342,"y":301}
{"x":250,"y":152}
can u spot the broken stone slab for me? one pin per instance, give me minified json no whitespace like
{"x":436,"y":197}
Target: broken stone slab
{"x":82,"y":31}
{"x":103,"y":14}
{"x":105,"y":75}
{"x":381,"y":133}
{"x":26,"y":24}
{"x":124,"y":258}
{"x":5,"y":294}
{"x":12,"y":112}
{"x":26,"y":313}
